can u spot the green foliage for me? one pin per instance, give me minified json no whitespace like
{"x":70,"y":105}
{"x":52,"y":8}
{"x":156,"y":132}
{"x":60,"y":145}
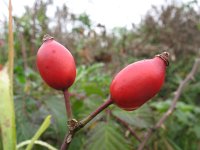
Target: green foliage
{"x":105,"y":137}
{"x":55,"y":107}
{"x":42,"y":128}
{"x":183,"y":121}
{"x":140,"y":118}
{"x":85,"y":20}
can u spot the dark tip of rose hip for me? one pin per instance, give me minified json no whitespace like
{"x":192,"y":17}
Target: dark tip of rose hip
{"x":165,"y":57}
{"x":47,"y":37}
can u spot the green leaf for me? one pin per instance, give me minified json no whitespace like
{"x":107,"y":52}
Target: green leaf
{"x":83,"y":71}
{"x":78,"y":141}
{"x":56,"y":108}
{"x":161,"y":106}
{"x":42,"y":128}
{"x":84,"y":18}
{"x":185,"y":107}
{"x":167,"y":144}
{"x":196,"y":130}
{"x":181,"y":117}
{"x":139,"y":118}
{"x":175,"y":146}
{"x":105,"y":136}
{"x":7,"y":114}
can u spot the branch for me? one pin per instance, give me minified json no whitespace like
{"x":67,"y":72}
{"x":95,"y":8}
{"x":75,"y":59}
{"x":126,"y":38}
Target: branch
{"x":178,"y":92}
{"x":96,"y":112}
{"x":75,"y":125}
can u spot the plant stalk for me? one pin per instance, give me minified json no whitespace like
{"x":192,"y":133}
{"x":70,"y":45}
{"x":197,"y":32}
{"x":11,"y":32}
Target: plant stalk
{"x":67,"y":105}
{"x":96,"y":112}
{"x":75,"y":126}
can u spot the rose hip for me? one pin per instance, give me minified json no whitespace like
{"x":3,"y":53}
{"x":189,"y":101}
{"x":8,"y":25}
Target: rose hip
{"x":56,"y":64}
{"x":138,"y":82}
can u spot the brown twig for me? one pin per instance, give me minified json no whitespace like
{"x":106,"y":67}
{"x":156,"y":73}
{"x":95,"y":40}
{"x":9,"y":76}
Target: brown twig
{"x":178,"y":92}
{"x":75,"y":125}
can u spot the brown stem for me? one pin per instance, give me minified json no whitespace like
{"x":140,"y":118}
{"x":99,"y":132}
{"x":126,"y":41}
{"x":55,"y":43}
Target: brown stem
{"x":67,"y":105}
{"x":75,"y":126}
{"x":178,"y":92}
{"x":96,"y":112}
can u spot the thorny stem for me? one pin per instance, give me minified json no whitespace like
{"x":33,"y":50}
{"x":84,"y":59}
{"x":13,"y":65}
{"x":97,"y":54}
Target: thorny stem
{"x":75,"y":126}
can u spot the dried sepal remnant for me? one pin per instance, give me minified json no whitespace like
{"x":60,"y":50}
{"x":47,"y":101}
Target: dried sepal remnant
{"x":47,"y":37}
{"x":165,"y":57}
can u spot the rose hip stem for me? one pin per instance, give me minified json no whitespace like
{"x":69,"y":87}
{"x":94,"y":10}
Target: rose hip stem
{"x":75,"y":126}
{"x":67,"y":104}
{"x":96,"y":112}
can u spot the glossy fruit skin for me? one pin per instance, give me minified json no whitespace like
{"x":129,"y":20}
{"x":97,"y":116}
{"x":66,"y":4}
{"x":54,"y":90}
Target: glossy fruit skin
{"x":137,"y":83}
{"x":56,"y":65}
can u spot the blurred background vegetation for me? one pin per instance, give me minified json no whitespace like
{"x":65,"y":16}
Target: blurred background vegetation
{"x":99,"y":55}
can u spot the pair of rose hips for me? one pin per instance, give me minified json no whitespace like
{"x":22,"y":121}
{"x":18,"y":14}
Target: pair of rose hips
{"x":130,"y":88}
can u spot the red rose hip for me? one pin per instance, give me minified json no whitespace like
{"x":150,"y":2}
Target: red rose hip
{"x":139,"y":82}
{"x":56,"y":64}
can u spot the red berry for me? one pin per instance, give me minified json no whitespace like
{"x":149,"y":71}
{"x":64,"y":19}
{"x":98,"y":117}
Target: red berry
{"x":56,"y":64}
{"x":139,"y":82}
